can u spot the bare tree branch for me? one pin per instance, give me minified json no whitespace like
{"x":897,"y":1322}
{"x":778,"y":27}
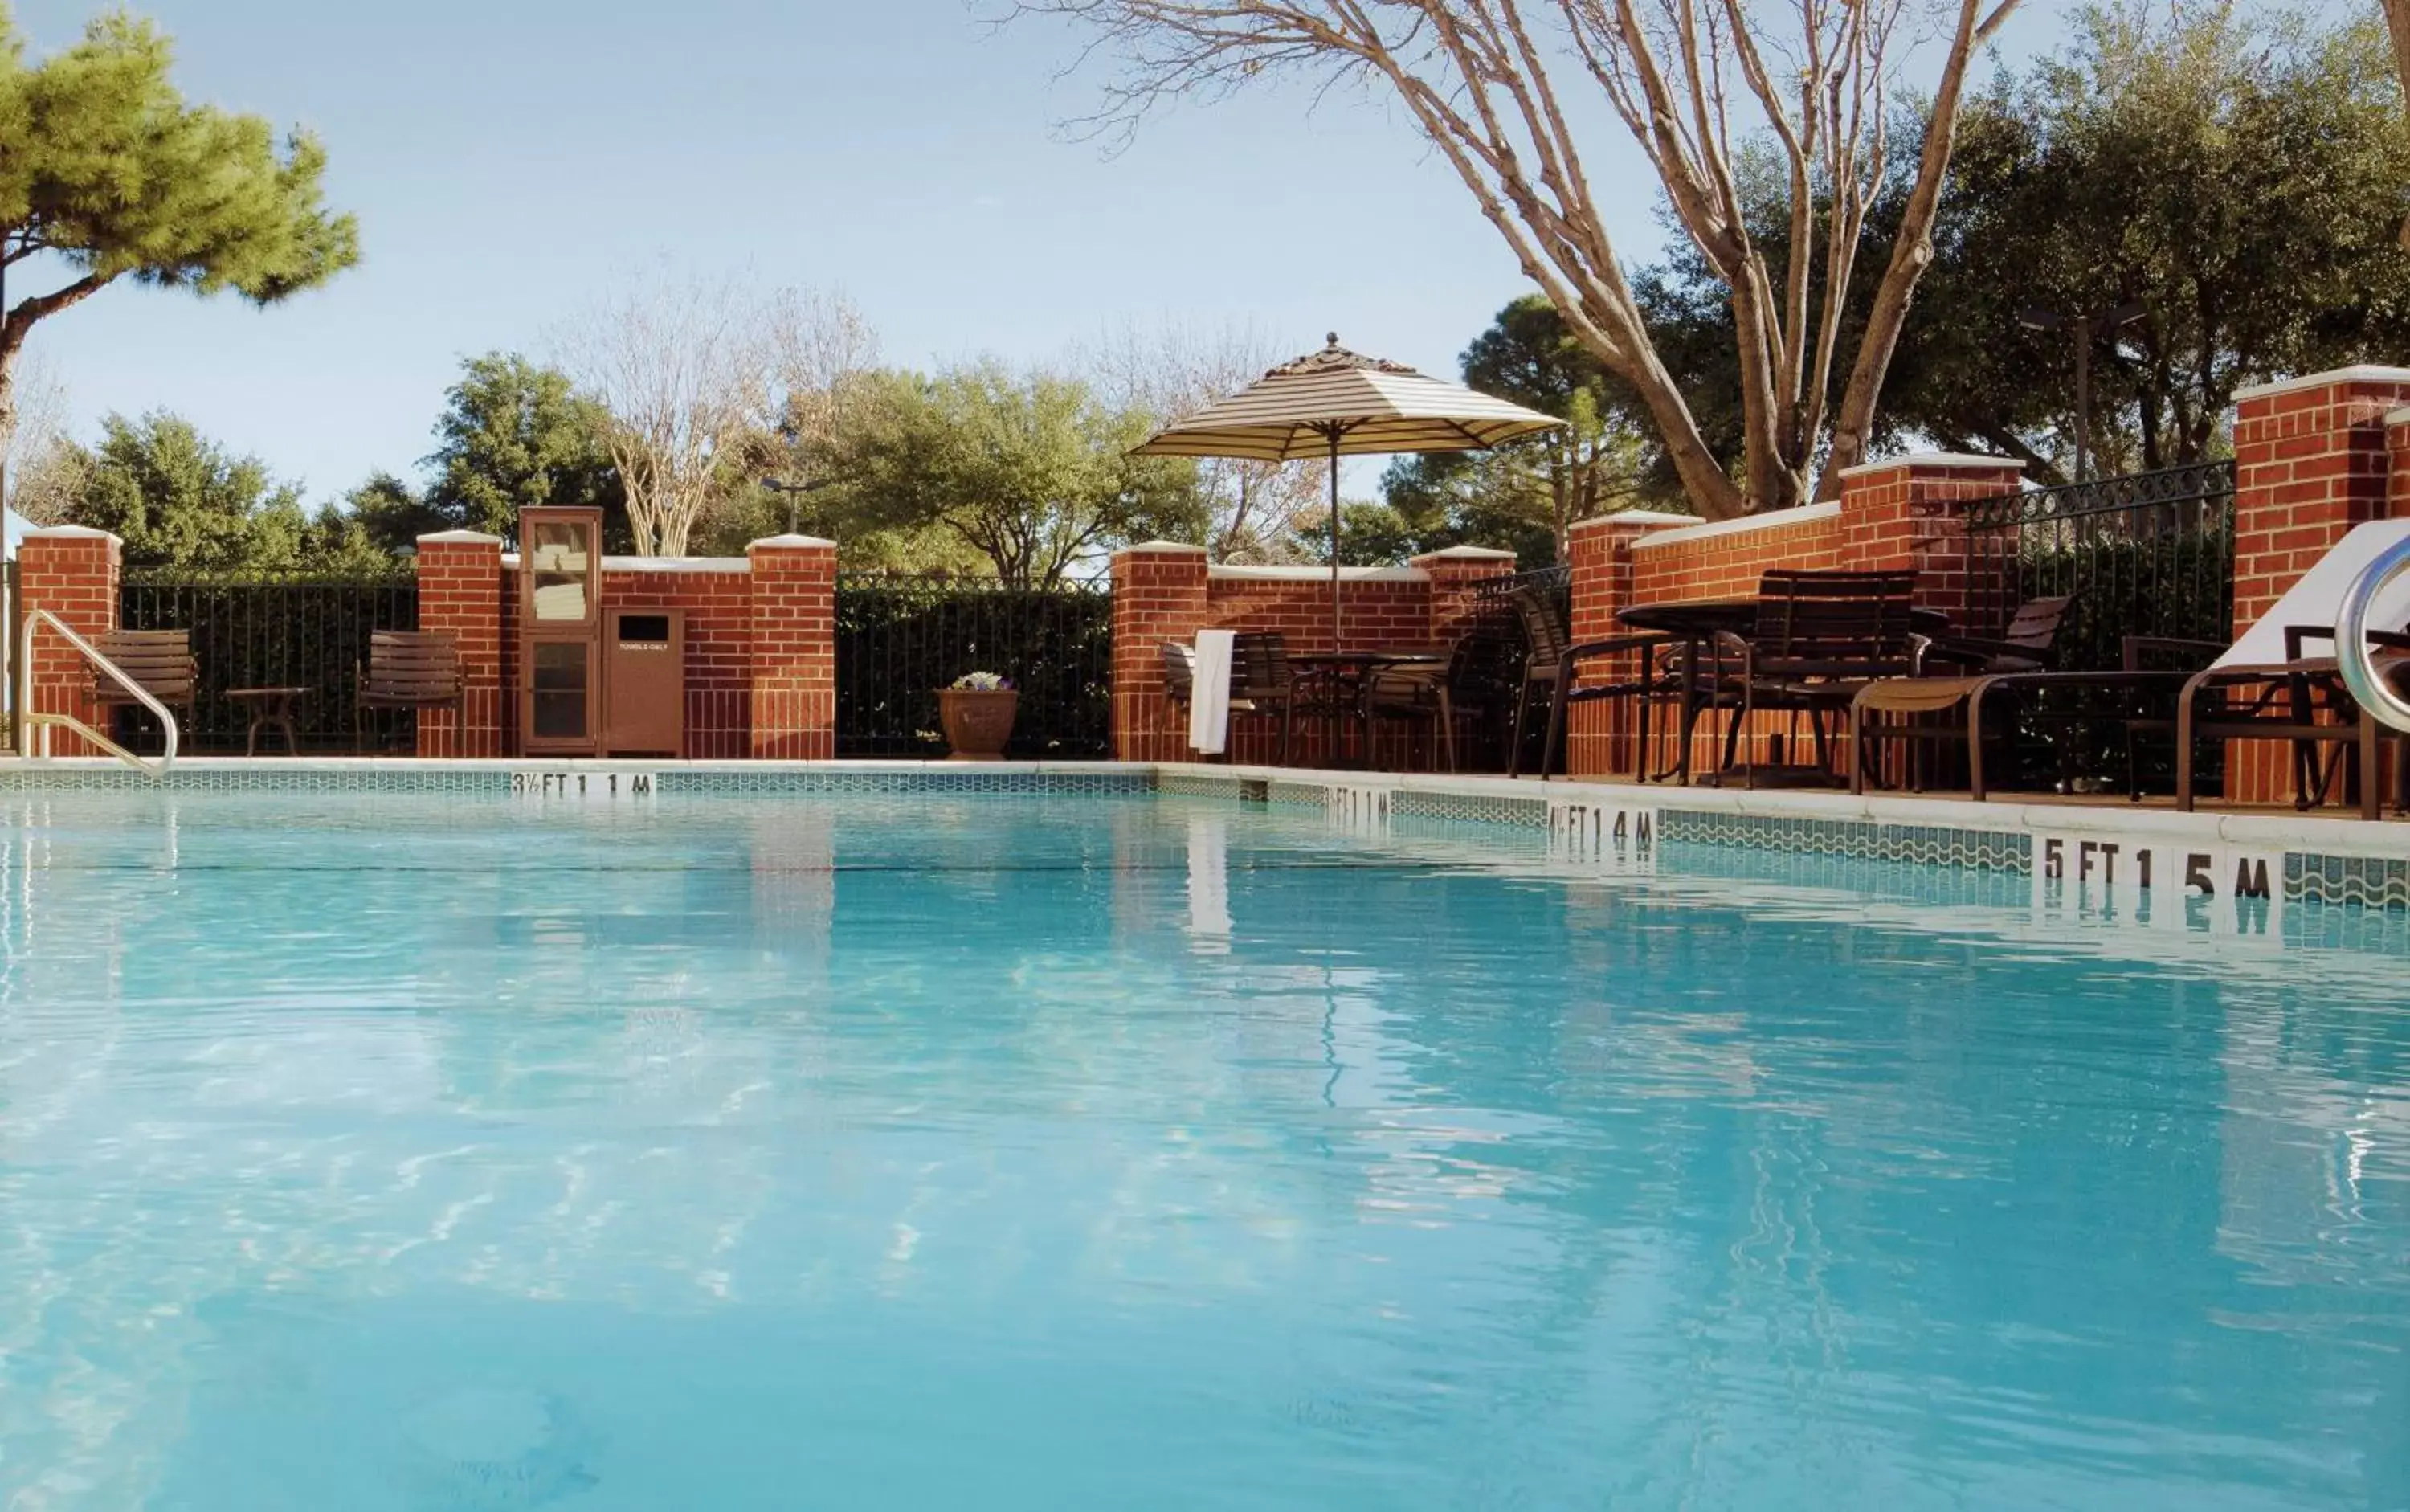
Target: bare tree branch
{"x":695,"y":373}
{"x":1692,"y":81}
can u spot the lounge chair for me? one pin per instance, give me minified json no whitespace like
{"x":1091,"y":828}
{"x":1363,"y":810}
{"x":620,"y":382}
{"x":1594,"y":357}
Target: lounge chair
{"x":2263,"y":686}
{"x":408,"y":669}
{"x":2269,"y":686}
{"x":2029,"y":643}
{"x":160,"y":662}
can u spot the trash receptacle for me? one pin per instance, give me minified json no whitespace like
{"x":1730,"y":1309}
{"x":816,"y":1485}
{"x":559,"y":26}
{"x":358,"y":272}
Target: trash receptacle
{"x":643,"y":682}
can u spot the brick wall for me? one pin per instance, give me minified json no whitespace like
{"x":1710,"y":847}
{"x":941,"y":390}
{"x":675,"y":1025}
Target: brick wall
{"x":1160,"y":592}
{"x":71,"y":571}
{"x":717,"y":600}
{"x":463,"y":592}
{"x":765,"y":626}
{"x":794,"y":613}
{"x":1164,"y":591}
{"x":1725,"y":562}
{"x":1903,"y":515}
{"x":1606,"y":576}
{"x":2313,"y":457}
{"x":1456,"y":577}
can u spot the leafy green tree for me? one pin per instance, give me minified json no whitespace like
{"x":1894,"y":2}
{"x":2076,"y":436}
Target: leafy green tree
{"x":179,"y":501}
{"x":107,"y":171}
{"x":513,"y":434}
{"x":2237,"y":176}
{"x":2240,"y":178}
{"x":1388,"y":532}
{"x":1033,"y":471}
{"x":391,"y":513}
{"x":1527,"y":495}
{"x":335,"y":544}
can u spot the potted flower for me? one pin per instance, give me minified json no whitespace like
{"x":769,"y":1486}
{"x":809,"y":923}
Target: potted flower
{"x":977,"y":712}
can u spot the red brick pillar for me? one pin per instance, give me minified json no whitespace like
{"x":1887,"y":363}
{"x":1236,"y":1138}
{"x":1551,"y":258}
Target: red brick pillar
{"x":1456,"y":575}
{"x":2312,"y":460}
{"x":1158,"y":596}
{"x":794,"y":649}
{"x":2313,"y":457}
{"x":71,"y":571}
{"x":463,"y":593}
{"x":1598,"y":741}
{"x":1911,"y":513}
{"x":2397,"y":464}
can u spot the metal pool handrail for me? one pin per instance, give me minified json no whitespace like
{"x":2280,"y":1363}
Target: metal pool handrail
{"x":41,"y":723}
{"x":2353,"y":653}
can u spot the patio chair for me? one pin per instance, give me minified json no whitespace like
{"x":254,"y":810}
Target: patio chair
{"x":1819,"y":639}
{"x":1548,"y":638}
{"x":1260,"y":678}
{"x":159,"y":662}
{"x":1647,"y":673}
{"x":408,"y":669}
{"x":1439,"y":693}
{"x":2029,"y":643}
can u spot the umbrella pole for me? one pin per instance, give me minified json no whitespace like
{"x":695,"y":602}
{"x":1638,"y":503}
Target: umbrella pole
{"x":1337,"y":645}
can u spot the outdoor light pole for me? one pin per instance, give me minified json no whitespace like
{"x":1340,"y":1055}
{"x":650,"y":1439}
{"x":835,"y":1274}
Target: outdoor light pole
{"x":2093,"y":323}
{"x":793,"y":492}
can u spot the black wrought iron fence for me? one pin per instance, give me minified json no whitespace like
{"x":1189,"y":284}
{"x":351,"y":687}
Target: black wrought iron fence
{"x":275,"y":632}
{"x":899,"y":639}
{"x":1495,"y":597}
{"x":2147,"y":554}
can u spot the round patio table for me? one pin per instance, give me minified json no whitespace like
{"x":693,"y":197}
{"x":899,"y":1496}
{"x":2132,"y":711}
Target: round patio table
{"x":268,"y":706}
{"x":1339,"y":679}
{"x":1697,"y":622}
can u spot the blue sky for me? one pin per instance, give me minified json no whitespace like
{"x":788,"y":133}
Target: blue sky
{"x":509,"y":159}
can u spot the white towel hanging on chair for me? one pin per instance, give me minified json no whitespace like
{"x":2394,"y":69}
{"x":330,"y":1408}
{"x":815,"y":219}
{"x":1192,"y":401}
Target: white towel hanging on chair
{"x":1208,"y":698}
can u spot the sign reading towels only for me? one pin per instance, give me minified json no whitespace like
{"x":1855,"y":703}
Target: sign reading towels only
{"x":585,"y":787}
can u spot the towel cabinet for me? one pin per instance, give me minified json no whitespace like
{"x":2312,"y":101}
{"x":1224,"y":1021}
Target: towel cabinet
{"x":560,"y":672}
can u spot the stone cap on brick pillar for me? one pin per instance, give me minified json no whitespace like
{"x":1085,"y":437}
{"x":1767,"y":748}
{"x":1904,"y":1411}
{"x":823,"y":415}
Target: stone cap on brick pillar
{"x":1937,"y":463}
{"x":790,"y":542}
{"x":1463,"y":554}
{"x":1157,"y":548}
{"x":460,"y":538}
{"x":2359,"y":373}
{"x":71,"y":533}
{"x":1632,"y":519}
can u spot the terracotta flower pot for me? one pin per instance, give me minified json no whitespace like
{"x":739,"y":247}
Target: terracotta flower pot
{"x":979,"y":725}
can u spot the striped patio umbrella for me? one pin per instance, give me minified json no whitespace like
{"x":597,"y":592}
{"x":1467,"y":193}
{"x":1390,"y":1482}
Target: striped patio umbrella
{"x":1338,"y":403}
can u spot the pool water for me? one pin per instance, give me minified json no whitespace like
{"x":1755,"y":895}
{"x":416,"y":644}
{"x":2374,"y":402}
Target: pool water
{"x":927,"y":1152}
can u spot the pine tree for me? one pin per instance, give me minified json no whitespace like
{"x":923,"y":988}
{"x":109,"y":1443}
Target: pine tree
{"x":107,"y":169}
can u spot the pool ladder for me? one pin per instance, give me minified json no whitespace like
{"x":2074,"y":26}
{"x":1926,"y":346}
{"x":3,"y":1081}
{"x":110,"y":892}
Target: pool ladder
{"x":41,"y":725}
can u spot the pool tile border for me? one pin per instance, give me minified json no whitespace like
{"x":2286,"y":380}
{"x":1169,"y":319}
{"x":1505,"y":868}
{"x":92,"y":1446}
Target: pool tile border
{"x":2331,"y":860}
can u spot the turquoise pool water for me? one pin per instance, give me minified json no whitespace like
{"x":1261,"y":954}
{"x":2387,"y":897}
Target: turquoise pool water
{"x":1044,"y":1152}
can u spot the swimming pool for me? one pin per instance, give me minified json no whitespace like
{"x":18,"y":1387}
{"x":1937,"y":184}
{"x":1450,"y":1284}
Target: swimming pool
{"x":1114,"y":1149}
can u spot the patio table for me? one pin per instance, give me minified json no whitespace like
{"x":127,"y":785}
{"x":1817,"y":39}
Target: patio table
{"x":1340,"y":679}
{"x":1697,"y":622}
{"x":267,"y":707}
